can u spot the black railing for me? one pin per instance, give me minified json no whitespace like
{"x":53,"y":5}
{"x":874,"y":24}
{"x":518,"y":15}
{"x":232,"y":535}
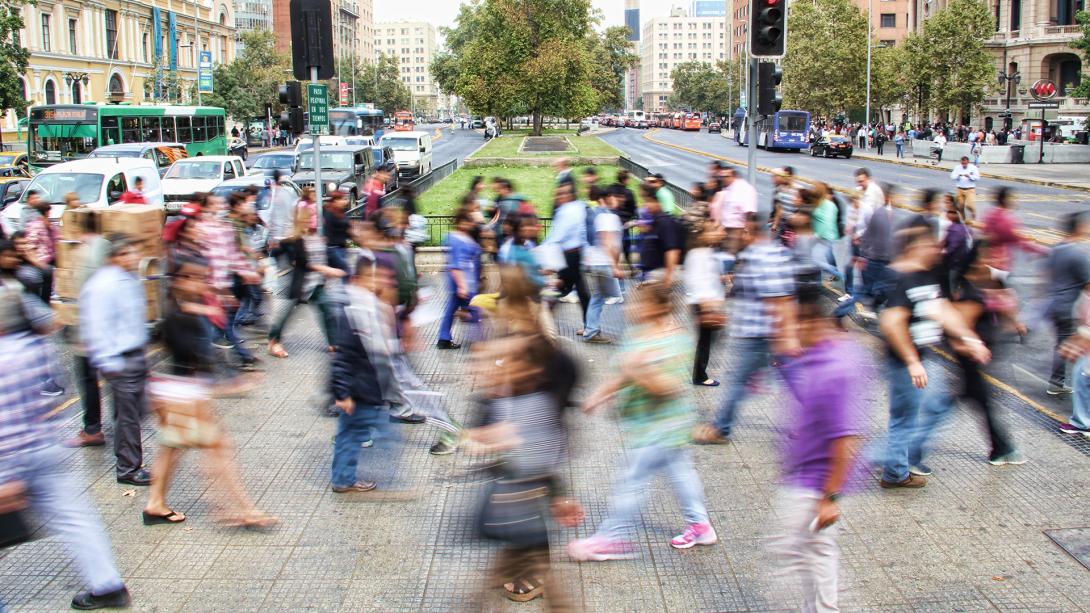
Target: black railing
{"x":681,"y":195}
{"x":419,"y":185}
{"x":440,"y":225}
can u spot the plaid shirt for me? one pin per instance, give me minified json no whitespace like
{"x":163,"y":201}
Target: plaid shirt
{"x":220,"y":243}
{"x":41,"y":238}
{"x":764,"y":270}
{"x":26,"y":361}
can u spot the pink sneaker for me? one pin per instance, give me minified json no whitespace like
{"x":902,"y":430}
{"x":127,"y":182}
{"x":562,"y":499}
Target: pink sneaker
{"x":599,"y":549}
{"x":695,"y":534}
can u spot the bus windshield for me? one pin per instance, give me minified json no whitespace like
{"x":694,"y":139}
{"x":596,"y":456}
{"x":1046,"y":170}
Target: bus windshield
{"x":61,"y":142}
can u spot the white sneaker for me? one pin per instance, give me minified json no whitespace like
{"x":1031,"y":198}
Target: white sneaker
{"x":615,"y":300}
{"x":571,"y":298}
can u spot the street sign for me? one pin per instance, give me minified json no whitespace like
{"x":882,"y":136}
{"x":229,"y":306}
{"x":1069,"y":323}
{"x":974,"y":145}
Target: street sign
{"x":1043,"y":89}
{"x":318,"y":106}
{"x":344,"y":93}
{"x":1045,"y":104}
{"x":204,"y":73}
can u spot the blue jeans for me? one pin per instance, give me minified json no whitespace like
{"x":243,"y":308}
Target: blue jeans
{"x":602,"y":286}
{"x":825,"y":259}
{"x":1080,"y":399}
{"x":900,"y":149}
{"x":756,"y":355}
{"x":337,"y":257}
{"x":632,"y":491}
{"x":875,"y":279}
{"x":453,"y":304}
{"x":365,"y":422}
{"x":231,"y":334}
{"x":250,"y":305}
{"x":914,"y":414}
{"x":54,"y":493}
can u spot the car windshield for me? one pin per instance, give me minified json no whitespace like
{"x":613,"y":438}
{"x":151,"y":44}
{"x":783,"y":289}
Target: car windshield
{"x":333,"y":160}
{"x":282,"y":162}
{"x":400,"y":144}
{"x":838,"y":139}
{"x":194,"y":170}
{"x":54,"y":186}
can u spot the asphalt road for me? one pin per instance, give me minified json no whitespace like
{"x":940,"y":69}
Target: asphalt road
{"x":1021,"y":370}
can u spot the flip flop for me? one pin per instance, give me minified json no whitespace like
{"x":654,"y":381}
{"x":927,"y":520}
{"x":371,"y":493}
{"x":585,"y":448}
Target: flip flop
{"x":707,"y":383}
{"x":170,"y":518}
{"x":524,"y":589}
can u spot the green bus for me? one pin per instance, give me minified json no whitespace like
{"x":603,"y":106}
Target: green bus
{"x":65,"y":132}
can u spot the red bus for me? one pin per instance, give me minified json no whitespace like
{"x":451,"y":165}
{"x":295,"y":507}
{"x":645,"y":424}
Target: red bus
{"x":677,"y":121}
{"x":403,"y":121}
{"x":692,"y":122}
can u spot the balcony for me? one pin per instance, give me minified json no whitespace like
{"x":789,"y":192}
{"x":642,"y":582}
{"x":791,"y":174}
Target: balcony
{"x":1072,"y":29}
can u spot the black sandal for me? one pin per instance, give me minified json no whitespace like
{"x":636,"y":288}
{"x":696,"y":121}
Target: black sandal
{"x":169,"y":518}
{"x":524,"y":589}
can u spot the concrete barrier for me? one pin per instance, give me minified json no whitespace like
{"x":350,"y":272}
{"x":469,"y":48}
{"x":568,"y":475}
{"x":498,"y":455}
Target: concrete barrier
{"x":1056,"y":153}
{"x":1001,"y":154}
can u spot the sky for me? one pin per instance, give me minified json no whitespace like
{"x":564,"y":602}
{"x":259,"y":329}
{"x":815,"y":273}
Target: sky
{"x":443,"y":12}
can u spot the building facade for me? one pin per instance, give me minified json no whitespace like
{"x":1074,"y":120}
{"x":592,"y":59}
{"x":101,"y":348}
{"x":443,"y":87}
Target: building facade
{"x":632,"y":76}
{"x":1033,"y":41}
{"x":413,"y":44}
{"x":709,"y":8}
{"x":119,"y":50}
{"x":251,"y":15}
{"x":669,"y":41}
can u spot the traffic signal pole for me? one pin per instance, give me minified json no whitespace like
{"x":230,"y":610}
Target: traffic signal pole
{"x":751,"y":124}
{"x":317,"y":160}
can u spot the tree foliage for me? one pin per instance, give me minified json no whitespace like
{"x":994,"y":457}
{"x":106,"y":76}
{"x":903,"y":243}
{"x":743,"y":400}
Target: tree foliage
{"x":700,"y":87}
{"x":542,"y":57}
{"x":1083,"y":44}
{"x":14,"y":58}
{"x":950,"y":58}
{"x":245,"y":85}
{"x":378,"y":83}
{"x":825,"y":68}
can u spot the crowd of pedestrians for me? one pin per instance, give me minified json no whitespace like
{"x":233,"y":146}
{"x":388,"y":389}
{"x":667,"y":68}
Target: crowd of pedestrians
{"x":752,"y":277}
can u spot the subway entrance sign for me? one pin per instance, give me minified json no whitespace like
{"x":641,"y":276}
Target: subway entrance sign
{"x":318,"y":107}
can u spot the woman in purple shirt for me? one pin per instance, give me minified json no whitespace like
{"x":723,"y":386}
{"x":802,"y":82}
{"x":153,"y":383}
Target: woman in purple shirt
{"x":463,"y":263}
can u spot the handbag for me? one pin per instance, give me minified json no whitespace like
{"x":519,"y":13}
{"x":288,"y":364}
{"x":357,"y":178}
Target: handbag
{"x":13,"y":529}
{"x":184,"y":408}
{"x":712,"y":316}
{"x":514,"y":511}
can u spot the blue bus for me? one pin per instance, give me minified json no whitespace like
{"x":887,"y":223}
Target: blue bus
{"x":786,"y":130}
{"x":356,"y":121}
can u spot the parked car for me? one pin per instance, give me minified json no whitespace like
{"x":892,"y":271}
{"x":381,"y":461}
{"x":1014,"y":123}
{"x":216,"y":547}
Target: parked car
{"x":237,"y":146}
{"x":97,"y":182}
{"x":363,"y":141}
{"x":161,"y":154}
{"x":287,"y":190}
{"x":12,"y":162}
{"x":343,"y":167}
{"x":477,"y":123}
{"x":10,"y":190}
{"x":715,"y":127}
{"x":832,"y":146}
{"x":412,"y":152}
{"x":200,"y":174}
{"x":307,"y":143}
{"x":266,"y":163}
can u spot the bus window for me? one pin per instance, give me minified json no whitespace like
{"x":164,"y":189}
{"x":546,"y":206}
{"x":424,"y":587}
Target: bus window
{"x":199,"y":134}
{"x":185,"y":132}
{"x":168,"y":130}
{"x":792,"y":122}
{"x":111,"y":132}
{"x":130,"y":130}
{"x":151,"y":129}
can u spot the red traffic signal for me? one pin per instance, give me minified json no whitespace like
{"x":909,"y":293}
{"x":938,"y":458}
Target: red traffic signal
{"x":768,"y":28}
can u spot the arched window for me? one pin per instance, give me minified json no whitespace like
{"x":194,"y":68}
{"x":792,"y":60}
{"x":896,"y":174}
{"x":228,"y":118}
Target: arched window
{"x":77,"y":93}
{"x":117,"y":86}
{"x":50,"y":92}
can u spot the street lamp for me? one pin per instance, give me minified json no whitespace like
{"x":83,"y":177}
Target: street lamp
{"x":1008,"y":78}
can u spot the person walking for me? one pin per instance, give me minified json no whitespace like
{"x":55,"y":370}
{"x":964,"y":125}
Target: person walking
{"x":1003,"y":232}
{"x":335,"y":228}
{"x":965,"y":175}
{"x":463,"y":275}
{"x":917,"y":318}
{"x":762,"y":321}
{"x":41,"y":242}
{"x":228,"y":265}
{"x":601,"y":259}
{"x":112,"y":328}
{"x":662,"y":239}
{"x":656,"y":410}
{"x":704,"y":292}
{"x":732,"y":205}
{"x":785,"y":201}
{"x":938,"y":145}
{"x":1068,"y":271}
{"x":569,"y":232}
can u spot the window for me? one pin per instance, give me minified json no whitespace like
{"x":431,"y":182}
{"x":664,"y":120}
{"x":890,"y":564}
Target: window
{"x":889,"y":20}
{"x":185,"y":131}
{"x":887,"y":43}
{"x":50,"y":93}
{"x":228,"y":171}
{"x":45,"y":33}
{"x":115,"y":188}
{"x":111,"y":34}
{"x":73,"y":27}
{"x":168,"y":129}
{"x":77,"y":95}
{"x":130,"y":130}
{"x":1016,"y":15}
{"x":152,"y":129}
{"x":144,"y":47}
{"x":199,"y":133}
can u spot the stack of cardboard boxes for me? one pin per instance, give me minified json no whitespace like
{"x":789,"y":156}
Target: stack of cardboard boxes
{"x":143,"y":223}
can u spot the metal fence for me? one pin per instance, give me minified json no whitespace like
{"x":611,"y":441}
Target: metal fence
{"x":440,"y":225}
{"x":681,"y":195}
{"x":419,"y":185}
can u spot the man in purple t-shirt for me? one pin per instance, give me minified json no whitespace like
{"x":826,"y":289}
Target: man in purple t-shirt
{"x":819,"y":453}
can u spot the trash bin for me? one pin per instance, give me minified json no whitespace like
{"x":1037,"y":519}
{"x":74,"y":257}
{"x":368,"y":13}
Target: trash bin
{"x":1018,"y":154}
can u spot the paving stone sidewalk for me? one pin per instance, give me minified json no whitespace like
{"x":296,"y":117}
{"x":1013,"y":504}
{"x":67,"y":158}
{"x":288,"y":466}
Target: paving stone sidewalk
{"x":1070,"y":176}
{"x":972,"y":540}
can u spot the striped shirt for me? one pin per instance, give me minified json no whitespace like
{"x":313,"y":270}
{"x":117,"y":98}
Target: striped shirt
{"x":26,"y":362}
{"x":764,"y":271}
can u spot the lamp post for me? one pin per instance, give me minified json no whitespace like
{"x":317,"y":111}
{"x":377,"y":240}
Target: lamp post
{"x":1007,"y":78}
{"x":866,"y":118}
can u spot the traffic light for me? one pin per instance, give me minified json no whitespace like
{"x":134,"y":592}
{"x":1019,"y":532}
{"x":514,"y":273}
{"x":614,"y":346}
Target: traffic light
{"x":769,"y":99}
{"x":291,"y":94}
{"x":767,"y":28}
{"x":291,"y":119}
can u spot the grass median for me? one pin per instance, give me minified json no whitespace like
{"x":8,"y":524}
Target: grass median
{"x":507,"y":146}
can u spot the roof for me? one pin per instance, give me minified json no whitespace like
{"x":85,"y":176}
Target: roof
{"x":340,"y":148}
{"x":211,"y":158}
{"x":136,"y":146}
{"x":97,"y":164}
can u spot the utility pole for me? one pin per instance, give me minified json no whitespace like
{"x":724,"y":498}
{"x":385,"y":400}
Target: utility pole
{"x":197,"y":49}
{"x":866,"y":119}
{"x":751,"y":109}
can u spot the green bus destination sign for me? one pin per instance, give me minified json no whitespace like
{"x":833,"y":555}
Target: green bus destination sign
{"x":318,"y":106}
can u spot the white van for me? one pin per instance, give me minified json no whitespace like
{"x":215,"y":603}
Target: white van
{"x":306,"y":143}
{"x":99,"y":183}
{"x":412,"y":152}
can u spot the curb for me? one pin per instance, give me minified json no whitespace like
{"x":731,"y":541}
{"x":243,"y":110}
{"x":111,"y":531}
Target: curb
{"x":988,"y":175}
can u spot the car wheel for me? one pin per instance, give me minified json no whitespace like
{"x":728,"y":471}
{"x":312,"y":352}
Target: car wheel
{"x":848,"y":157}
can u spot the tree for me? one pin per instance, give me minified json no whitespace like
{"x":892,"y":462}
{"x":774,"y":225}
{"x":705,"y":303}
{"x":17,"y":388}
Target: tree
{"x":14,"y":58}
{"x":614,"y":56}
{"x":244,"y":86}
{"x":891,"y":82}
{"x":378,"y":83}
{"x":951,"y":58}
{"x":700,"y":86}
{"x":1083,"y":44}
{"x":825,"y":68}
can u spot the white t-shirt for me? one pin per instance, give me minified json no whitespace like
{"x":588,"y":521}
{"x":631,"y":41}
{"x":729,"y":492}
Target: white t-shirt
{"x":607,"y":230}
{"x":703,"y":276}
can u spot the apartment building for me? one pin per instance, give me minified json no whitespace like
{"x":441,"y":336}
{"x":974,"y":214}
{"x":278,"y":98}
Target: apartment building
{"x":118,"y":50}
{"x":252,"y":15}
{"x":413,"y":43}
{"x":669,"y":41}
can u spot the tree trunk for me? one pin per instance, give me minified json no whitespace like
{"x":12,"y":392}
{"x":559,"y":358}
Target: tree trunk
{"x":537,"y":119}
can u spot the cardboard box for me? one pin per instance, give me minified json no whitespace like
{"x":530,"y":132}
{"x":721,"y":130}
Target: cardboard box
{"x":65,"y":313}
{"x":64,"y":283}
{"x":73,"y":220}
{"x":152,"y":295}
{"x":67,"y":253}
{"x":150,"y":248}
{"x":141,"y":222}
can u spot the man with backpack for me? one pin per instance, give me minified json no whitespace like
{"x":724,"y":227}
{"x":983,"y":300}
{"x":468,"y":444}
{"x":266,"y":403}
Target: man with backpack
{"x":601,"y":257}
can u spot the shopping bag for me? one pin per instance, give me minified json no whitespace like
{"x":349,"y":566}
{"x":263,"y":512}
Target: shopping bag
{"x":184,"y":408}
